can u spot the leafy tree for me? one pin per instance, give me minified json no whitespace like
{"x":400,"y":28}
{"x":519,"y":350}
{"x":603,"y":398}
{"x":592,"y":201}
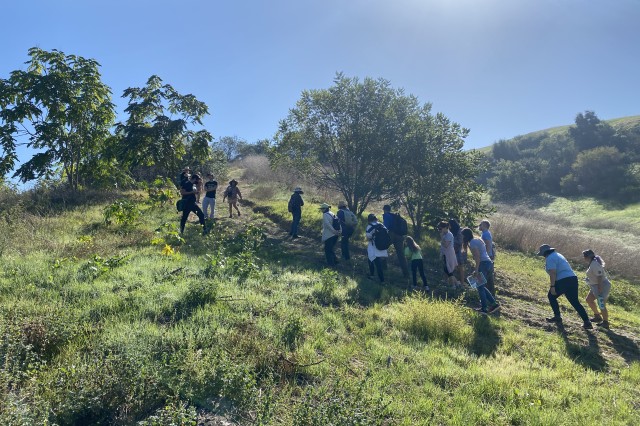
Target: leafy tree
{"x":231,"y":146}
{"x":589,"y":132}
{"x":152,"y":137}
{"x":515,"y":179}
{"x":62,"y":108}
{"x":506,"y":150}
{"x":437,"y":178}
{"x":600,"y":172}
{"x":347,"y":137}
{"x":557,"y":153}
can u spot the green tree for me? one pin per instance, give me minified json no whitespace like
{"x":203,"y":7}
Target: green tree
{"x":515,"y":179}
{"x":63,"y":110}
{"x":599,"y":172}
{"x":152,"y":137}
{"x":437,"y":179}
{"x":231,"y":146}
{"x":590,"y":132}
{"x":346,"y":137}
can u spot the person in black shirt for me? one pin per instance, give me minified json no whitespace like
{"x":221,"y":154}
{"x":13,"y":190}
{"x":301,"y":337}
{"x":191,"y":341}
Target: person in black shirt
{"x":295,"y":208}
{"x":210,"y":196}
{"x":188,"y":192}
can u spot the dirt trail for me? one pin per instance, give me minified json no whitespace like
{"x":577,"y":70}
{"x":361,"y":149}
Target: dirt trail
{"x":594,"y":348}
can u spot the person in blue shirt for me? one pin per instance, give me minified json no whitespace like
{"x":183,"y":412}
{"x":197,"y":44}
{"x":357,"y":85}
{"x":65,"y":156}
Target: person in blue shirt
{"x":397,"y":240}
{"x":562,"y":280}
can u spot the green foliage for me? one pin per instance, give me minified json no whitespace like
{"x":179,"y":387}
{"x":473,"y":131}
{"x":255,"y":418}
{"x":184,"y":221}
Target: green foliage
{"x":325,"y":290}
{"x":122,"y":212}
{"x":341,"y":403}
{"x":161,"y":191}
{"x":64,"y":109}
{"x":168,"y":234}
{"x":98,"y":266}
{"x":151,"y":136}
{"x":599,"y":172}
{"x":174,"y":413}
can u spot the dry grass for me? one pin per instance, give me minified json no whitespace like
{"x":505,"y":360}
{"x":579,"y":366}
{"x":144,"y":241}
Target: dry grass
{"x":526,"y":232}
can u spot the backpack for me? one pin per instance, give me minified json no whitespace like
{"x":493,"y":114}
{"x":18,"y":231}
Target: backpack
{"x":293,"y":203}
{"x":350,"y":219}
{"x":381,"y":238}
{"x":400,"y":225}
{"x":230,"y":192}
{"x":180,"y":205}
{"x":335,"y":221}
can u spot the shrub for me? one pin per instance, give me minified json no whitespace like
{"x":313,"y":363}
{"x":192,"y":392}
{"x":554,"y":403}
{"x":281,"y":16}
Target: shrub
{"x":429,"y":319}
{"x":122,"y":212}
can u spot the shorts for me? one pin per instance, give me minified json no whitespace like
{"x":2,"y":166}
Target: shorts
{"x":606,"y":289}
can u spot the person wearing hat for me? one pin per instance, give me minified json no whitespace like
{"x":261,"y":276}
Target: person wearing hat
{"x":348,"y":221}
{"x":562,"y":280}
{"x":183,"y":177}
{"x":188,"y":190}
{"x":295,"y":208}
{"x":232,"y":193}
{"x":374,"y":255}
{"x":331,"y":229}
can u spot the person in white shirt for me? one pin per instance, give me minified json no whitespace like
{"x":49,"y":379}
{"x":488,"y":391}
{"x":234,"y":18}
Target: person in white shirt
{"x":331,"y":230}
{"x":600,"y":287}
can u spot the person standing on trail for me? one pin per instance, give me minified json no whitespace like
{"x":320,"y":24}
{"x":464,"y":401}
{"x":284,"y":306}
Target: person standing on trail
{"x":209,"y":200}
{"x":188,"y":191}
{"x":562,"y":280}
{"x":375,"y":255}
{"x":200,"y":188}
{"x":600,"y":287}
{"x":397,"y":227}
{"x":461,"y":255}
{"x":412,"y":250}
{"x":295,"y":208}
{"x":330,"y":231}
{"x":348,"y":221}
{"x":232,"y":194}
{"x":448,"y":253}
{"x":484,"y":266}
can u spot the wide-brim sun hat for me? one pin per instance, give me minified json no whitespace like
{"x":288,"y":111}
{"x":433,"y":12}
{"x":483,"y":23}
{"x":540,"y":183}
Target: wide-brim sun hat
{"x":543,"y":249}
{"x":324,"y":206}
{"x":298,"y":190}
{"x":232,"y":181}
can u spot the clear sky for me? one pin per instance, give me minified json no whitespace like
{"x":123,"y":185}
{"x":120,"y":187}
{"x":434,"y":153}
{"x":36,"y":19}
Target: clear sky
{"x":498,"y":67}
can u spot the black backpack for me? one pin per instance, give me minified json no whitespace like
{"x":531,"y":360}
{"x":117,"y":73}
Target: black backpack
{"x":381,"y":238}
{"x":180,"y":205}
{"x":400,"y":225}
{"x":335,"y":221}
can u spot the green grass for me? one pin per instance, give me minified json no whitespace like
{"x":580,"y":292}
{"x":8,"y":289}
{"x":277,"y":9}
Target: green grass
{"x":135,"y":335}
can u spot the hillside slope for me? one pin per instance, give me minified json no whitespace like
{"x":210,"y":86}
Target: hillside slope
{"x":113,"y":324}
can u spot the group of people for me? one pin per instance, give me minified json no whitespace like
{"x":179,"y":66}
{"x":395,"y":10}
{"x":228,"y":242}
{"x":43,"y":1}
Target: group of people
{"x":192,"y":187}
{"x":456,"y":242}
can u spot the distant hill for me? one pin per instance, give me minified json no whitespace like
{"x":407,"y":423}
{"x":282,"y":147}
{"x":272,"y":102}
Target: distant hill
{"x":631,"y":123}
{"x":593,"y":157}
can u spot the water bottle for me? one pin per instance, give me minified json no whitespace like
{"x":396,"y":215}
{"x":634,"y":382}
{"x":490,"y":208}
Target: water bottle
{"x":601,"y":302}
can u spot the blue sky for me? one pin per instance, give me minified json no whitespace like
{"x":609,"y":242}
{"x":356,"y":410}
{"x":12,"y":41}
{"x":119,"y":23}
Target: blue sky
{"x":498,"y":67}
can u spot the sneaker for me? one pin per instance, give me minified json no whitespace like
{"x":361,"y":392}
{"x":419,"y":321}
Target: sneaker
{"x":494,"y":308}
{"x":596,"y":318}
{"x":604,"y":324}
{"x":554,"y":319}
{"x":587,"y":326}
{"x":294,"y":237}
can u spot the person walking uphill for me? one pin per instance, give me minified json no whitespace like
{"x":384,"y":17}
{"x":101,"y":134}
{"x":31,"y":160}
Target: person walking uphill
{"x":295,"y":208}
{"x":484,"y":266}
{"x":188,"y":190}
{"x":562,"y":280}
{"x":348,"y":221}
{"x":413,"y":251}
{"x":330,"y":231}
{"x":397,"y":227}
{"x":379,"y":240}
{"x":232,"y":193}
{"x":600,"y":287}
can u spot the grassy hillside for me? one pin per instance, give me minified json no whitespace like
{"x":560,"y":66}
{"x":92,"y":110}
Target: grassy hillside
{"x":126,"y":324}
{"x":631,"y":123}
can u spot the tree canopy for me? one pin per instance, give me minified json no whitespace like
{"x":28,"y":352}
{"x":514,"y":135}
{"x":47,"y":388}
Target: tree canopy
{"x":63,"y":110}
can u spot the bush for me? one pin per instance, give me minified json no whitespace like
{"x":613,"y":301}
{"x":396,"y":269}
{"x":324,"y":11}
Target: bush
{"x":429,"y":319}
{"x":122,"y":212}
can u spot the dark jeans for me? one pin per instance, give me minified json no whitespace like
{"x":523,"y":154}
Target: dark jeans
{"x":329,"y":253}
{"x":418,"y":265}
{"x":486,"y":296}
{"x":344,"y":242}
{"x":190,"y":206}
{"x":487,"y":268}
{"x":569,"y":287}
{"x":398,"y":244}
{"x":296,"y":221}
{"x":378,"y":266}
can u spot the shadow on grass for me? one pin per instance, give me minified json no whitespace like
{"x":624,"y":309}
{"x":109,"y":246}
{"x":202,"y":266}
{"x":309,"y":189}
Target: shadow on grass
{"x":588,"y":356}
{"x":626,"y":347}
{"x":486,"y":338}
